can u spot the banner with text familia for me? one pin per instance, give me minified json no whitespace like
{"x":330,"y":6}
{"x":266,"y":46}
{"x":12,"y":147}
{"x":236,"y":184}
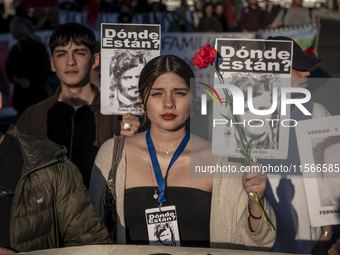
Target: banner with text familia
{"x":307,"y":37}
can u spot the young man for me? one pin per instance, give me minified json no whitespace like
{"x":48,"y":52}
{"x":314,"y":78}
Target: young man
{"x":71,"y":116}
{"x":285,"y":191}
{"x":43,"y":202}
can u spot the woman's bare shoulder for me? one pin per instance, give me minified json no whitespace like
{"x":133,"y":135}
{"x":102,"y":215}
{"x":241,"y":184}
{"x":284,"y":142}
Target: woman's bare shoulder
{"x":201,"y":150}
{"x":199,"y":143}
{"x":136,"y":141}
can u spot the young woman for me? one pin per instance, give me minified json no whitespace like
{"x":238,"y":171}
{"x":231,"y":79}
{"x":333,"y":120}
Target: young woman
{"x":208,"y":211}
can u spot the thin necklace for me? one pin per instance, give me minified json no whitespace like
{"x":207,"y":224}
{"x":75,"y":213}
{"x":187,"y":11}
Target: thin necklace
{"x":167,"y":149}
{"x":155,"y":196}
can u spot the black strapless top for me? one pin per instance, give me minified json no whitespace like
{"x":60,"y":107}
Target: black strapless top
{"x":192,"y":207}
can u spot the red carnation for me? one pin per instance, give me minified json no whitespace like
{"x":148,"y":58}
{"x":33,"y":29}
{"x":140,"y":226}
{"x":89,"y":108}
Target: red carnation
{"x":205,"y":56}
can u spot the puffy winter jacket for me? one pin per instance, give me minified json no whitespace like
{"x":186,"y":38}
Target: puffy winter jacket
{"x":51,"y":206}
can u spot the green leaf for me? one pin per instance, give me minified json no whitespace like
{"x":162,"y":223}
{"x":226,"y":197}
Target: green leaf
{"x":250,"y":141}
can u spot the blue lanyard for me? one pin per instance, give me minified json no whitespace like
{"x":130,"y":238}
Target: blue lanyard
{"x":155,"y":164}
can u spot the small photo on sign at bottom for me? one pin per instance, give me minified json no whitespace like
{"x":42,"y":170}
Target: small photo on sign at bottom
{"x":162,"y":226}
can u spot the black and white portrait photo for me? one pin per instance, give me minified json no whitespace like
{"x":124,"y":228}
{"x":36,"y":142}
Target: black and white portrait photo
{"x":263,"y":133}
{"x":125,"y":68}
{"x":165,"y":234}
{"x":251,"y":82}
{"x":326,"y":153}
{"x":125,"y":49}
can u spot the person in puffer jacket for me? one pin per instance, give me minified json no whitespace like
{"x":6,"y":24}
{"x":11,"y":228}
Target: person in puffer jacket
{"x":43,"y":201}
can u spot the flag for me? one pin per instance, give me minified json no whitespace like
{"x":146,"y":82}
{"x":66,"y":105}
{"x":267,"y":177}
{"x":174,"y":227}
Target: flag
{"x":307,"y":36}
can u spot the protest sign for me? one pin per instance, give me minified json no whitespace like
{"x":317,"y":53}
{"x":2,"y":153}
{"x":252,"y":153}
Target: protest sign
{"x":319,"y":146}
{"x":256,"y":74}
{"x":162,"y":226}
{"x":125,"y":49}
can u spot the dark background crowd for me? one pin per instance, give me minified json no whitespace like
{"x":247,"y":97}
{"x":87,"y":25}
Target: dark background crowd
{"x":28,"y":67}
{"x":214,"y":15}
{"x":188,"y":16}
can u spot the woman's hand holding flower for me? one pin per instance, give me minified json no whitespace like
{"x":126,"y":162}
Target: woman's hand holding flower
{"x":254,"y":181}
{"x":252,"y":184}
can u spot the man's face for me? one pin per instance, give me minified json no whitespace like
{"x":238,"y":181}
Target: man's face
{"x":72,"y":64}
{"x":165,"y":237}
{"x":331,"y":155}
{"x":331,"y":178}
{"x":129,"y":82}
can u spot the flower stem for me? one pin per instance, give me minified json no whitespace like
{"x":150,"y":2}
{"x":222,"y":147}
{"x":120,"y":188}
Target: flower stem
{"x":245,"y":150}
{"x":262,"y":212}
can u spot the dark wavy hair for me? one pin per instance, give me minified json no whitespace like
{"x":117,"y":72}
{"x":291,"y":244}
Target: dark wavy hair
{"x":75,"y":32}
{"x":125,"y":61}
